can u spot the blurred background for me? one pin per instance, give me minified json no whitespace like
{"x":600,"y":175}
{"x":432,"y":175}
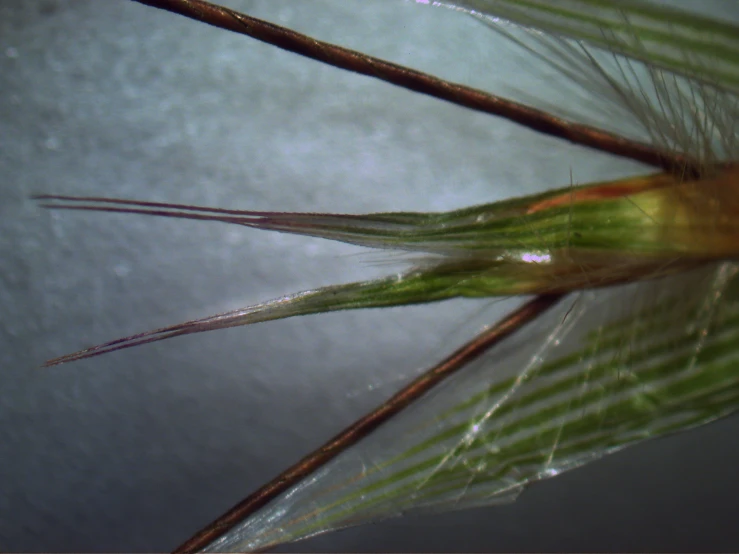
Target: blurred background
{"x":137,"y":450}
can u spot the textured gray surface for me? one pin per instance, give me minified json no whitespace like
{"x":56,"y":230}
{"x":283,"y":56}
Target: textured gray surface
{"x":137,"y":450}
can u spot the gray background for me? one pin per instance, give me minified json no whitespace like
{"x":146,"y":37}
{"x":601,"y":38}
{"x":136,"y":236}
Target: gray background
{"x":137,"y":450}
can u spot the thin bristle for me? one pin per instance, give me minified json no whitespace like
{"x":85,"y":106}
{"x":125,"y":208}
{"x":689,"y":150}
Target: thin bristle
{"x":91,"y":200}
{"x":219,"y":321}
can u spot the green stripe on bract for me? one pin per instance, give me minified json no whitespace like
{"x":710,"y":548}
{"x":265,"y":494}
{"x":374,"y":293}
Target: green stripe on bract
{"x":645,"y":219}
